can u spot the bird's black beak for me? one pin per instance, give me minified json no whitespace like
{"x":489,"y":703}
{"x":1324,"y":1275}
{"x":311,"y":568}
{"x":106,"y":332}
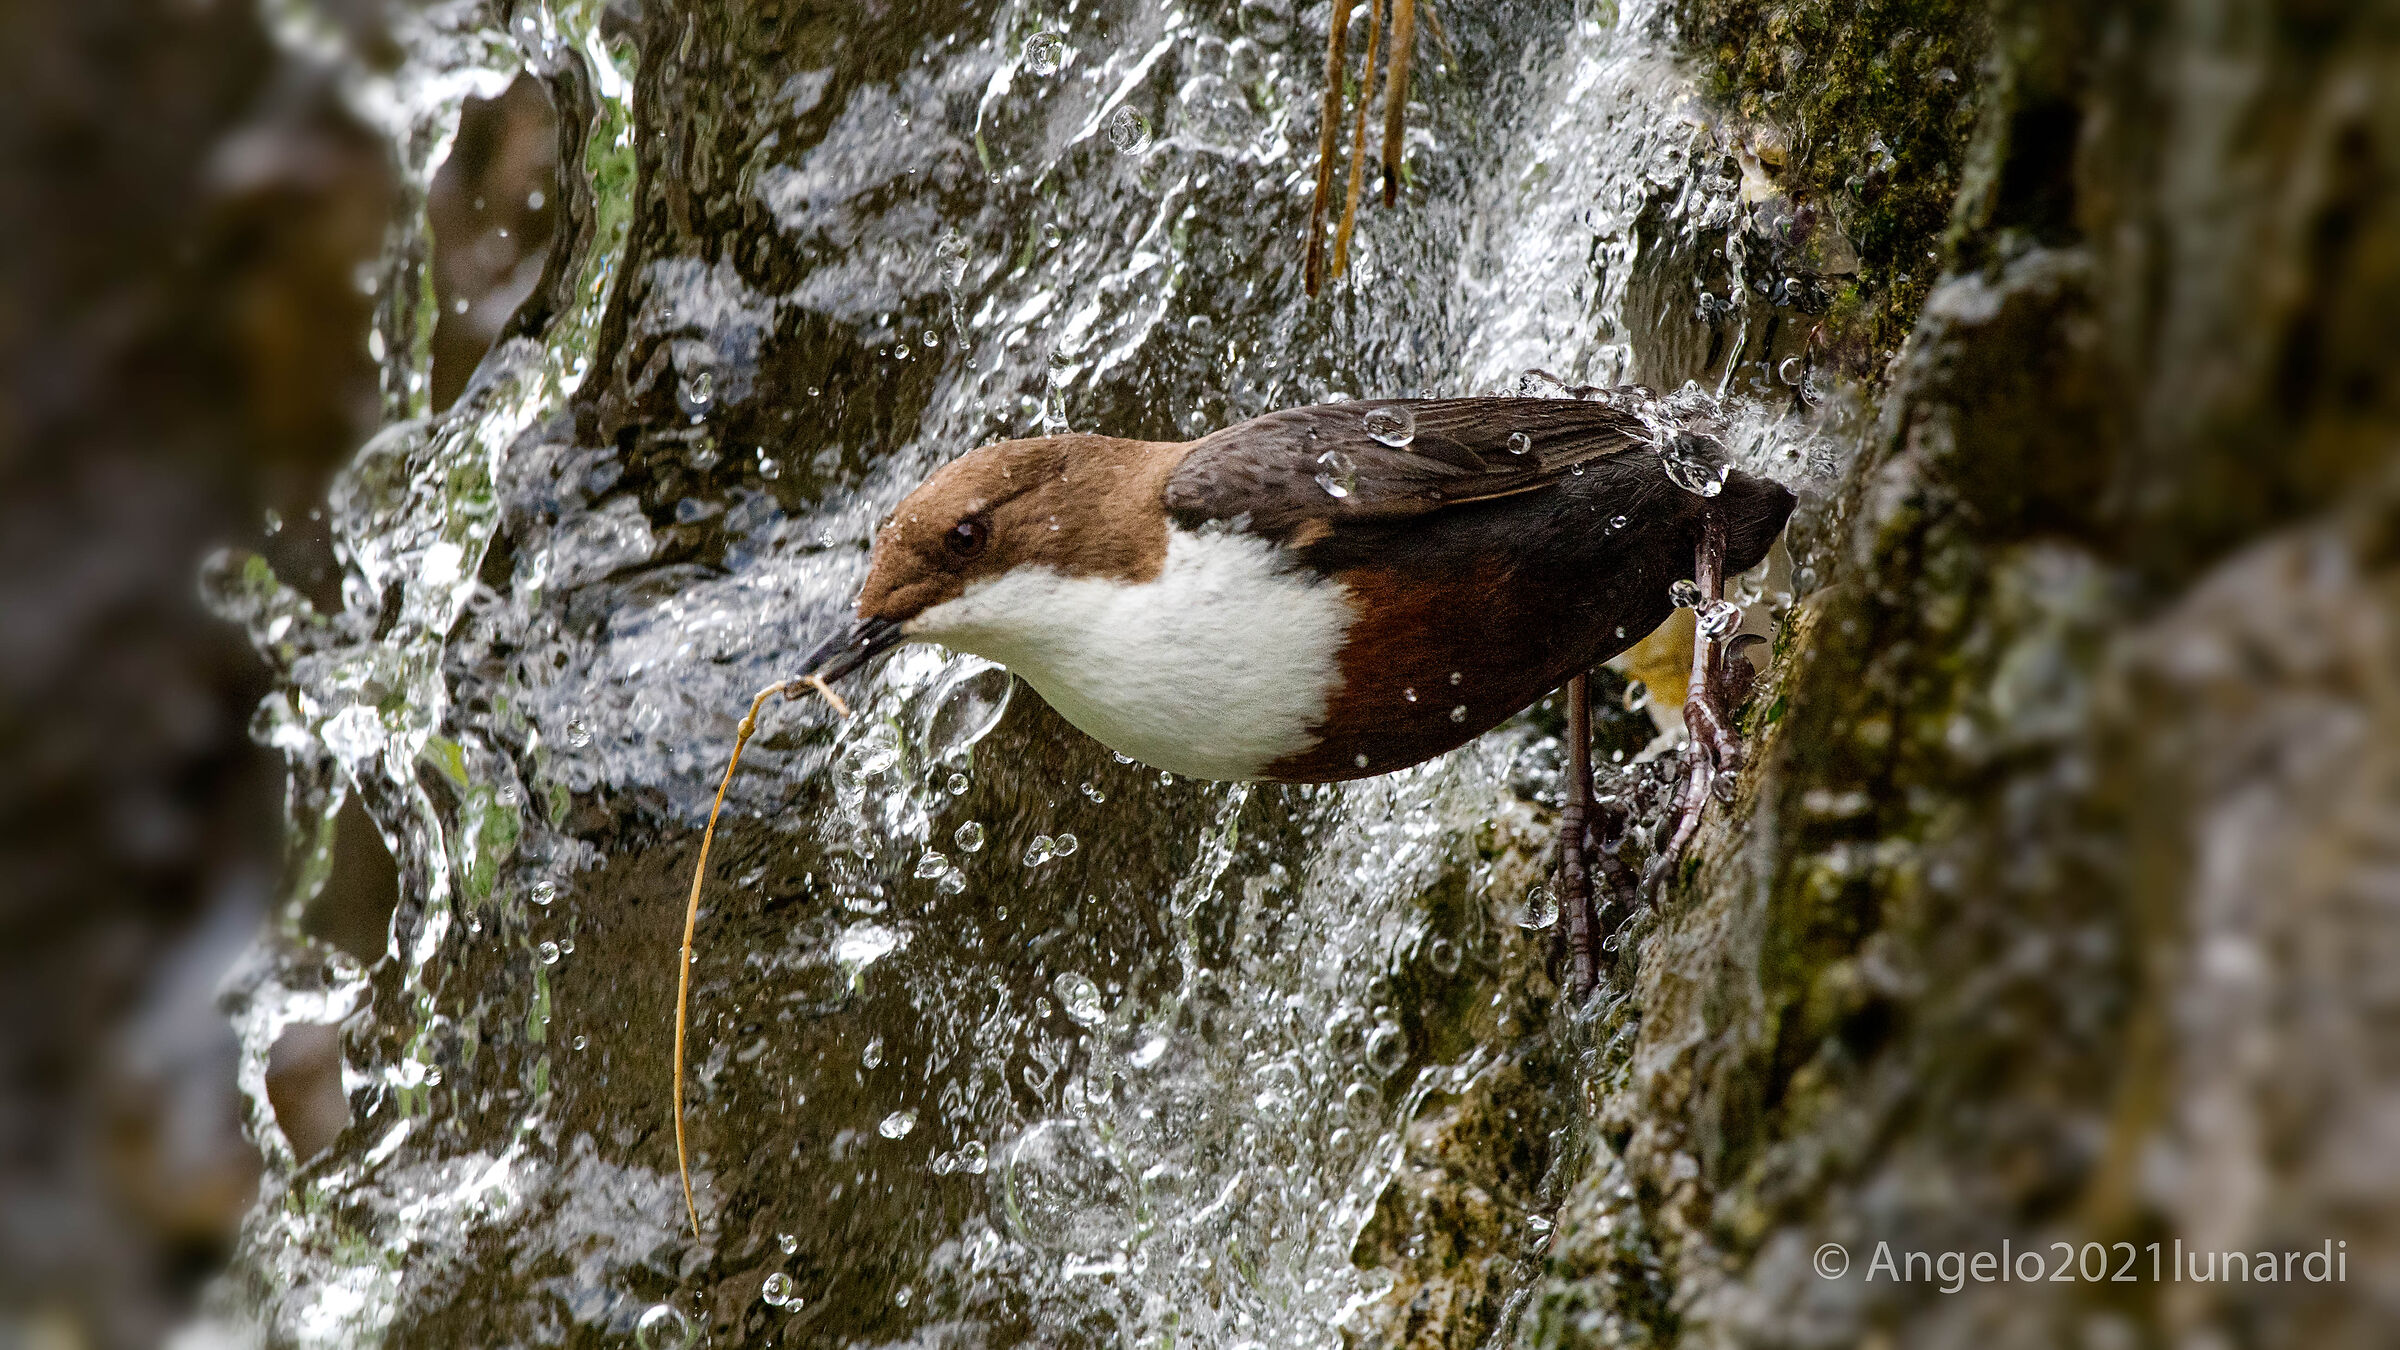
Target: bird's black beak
{"x":847,"y":651}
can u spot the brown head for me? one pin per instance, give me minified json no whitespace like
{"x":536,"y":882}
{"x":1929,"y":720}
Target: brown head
{"x":1077,"y":505}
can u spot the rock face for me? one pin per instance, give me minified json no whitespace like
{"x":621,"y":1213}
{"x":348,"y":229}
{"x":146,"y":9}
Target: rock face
{"x":2058,"y":909}
{"x":2050,"y":910}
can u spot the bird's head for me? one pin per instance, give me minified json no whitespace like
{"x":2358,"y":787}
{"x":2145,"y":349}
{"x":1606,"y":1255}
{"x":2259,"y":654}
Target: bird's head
{"x":1074,"y":505}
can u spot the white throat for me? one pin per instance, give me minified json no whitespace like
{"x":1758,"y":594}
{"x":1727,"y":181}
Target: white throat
{"x":1216,"y":668}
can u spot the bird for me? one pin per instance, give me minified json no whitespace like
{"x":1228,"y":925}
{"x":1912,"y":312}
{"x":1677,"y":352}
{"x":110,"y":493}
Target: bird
{"x":1314,"y":595}
{"x":1320,"y":593}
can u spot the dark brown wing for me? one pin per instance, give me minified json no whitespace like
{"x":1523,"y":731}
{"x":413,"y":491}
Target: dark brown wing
{"x":1275,"y":474}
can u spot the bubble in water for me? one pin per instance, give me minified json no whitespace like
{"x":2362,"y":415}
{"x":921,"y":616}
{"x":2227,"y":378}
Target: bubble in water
{"x":777,"y":1290}
{"x":957,"y":785}
{"x":1392,"y":425}
{"x":548,"y":952}
{"x":1719,"y":617}
{"x":1387,"y":1048}
{"x":1519,"y":443}
{"x":1789,"y":372}
{"x":1444,"y":955}
{"x":1079,"y":997}
{"x":1064,"y":846}
{"x":1093,"y":794}
{"x":931,"y":865}
{"x":1459,"y":713}
{"x":1804,"y":580}
{"x":1060,"y":1191}
{"x":970,"y":837}
{"x":973,"y":1157}
{"x":1040,"y":851}
{"x":663,"y":1327}
{"x":1637,"y":696}
{"x":1128,"y":131}
{"x":1044,"y":52}
{"x":872,"y":1056}
{"x":897,"y":1125}
{"x":1685,"y":593}
{"x":1052,"y":235}
{"x":579,"y":733}
{"x":1337,"y":474}
{"x":1361,"y":1101}
{"x":900,"y":351}
{"x":696,"y":393}
{"x":788,"y":1242}
{"x":1541,"y":907}
{"x":543,"y":892}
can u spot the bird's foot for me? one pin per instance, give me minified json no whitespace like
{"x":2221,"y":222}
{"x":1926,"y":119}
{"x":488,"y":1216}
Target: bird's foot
{"x":1721,"y":680}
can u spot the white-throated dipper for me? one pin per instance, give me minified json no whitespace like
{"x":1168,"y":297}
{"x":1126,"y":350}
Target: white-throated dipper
{"x":1319,"y":594}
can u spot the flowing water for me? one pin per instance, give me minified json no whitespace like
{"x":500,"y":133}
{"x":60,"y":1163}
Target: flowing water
{"x":999,"y":1040}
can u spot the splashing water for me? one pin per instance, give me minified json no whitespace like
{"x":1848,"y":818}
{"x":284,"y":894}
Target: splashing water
{"x":1153,"y":1087}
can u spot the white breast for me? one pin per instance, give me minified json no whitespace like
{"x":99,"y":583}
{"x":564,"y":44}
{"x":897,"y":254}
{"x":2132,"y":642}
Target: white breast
{"x":1216,"y":668}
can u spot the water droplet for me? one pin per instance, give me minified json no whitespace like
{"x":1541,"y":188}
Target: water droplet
{"x":1695,"y":463}
{"x":932,"y":339}
{"x":543,"y":892}
{"x":958,"y":785}
{"x":1619,"y":522}
{"x":1150,"y":1052}
{"x":663,"y":1327}
{"x":1519,"y":443}
{"x":1392,"y":425}
{"x":1804,"y":580}
{"x":1064,"y":846}
{"x":1080,"y":997}
{"x":1052,"y":235}
{"x":1456,"y":676}
{"x":579,"y":733}
{"x":1637,"y":696}
{"x":696,"y":393}
{"x":973,"y":1157}
{"x":1685,"y":593}
{"x":581,"y":1041}
{"x":1092,"y":793}
{"x":1719,"y":617}
{"x":900,"y":351}
{"x":952,"y":882}
{"x":1165,"y":779}
{"x":1040,"y":851}
{"x":970,"y":837}
{"x":777,"y":1290}
{"x":548,"y":952}
{"x":862,"y":946}
{"x":1387,"y":1048}
{"x":897,"y":1125}
{"x":1789,"y":371}
{"x":931,"y":865}
{"x":788,"y":1242}
{"x":1409,"y":693}
{"x":1339,"y":476}
{"x":1128,"y":131}
{"x":872,"y":1056}
{"x":1541,"y":907}
{"x":1459,"y":713}
{"x":1359,"y":759}
{"x":1044,"y":52}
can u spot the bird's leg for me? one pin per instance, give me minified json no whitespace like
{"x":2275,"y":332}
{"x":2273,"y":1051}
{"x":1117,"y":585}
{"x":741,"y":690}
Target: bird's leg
{"x":1574,"y":861}
{"x":1707,"y":716}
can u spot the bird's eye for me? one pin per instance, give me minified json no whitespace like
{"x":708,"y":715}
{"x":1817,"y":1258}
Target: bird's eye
{"x":967,"y":538}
